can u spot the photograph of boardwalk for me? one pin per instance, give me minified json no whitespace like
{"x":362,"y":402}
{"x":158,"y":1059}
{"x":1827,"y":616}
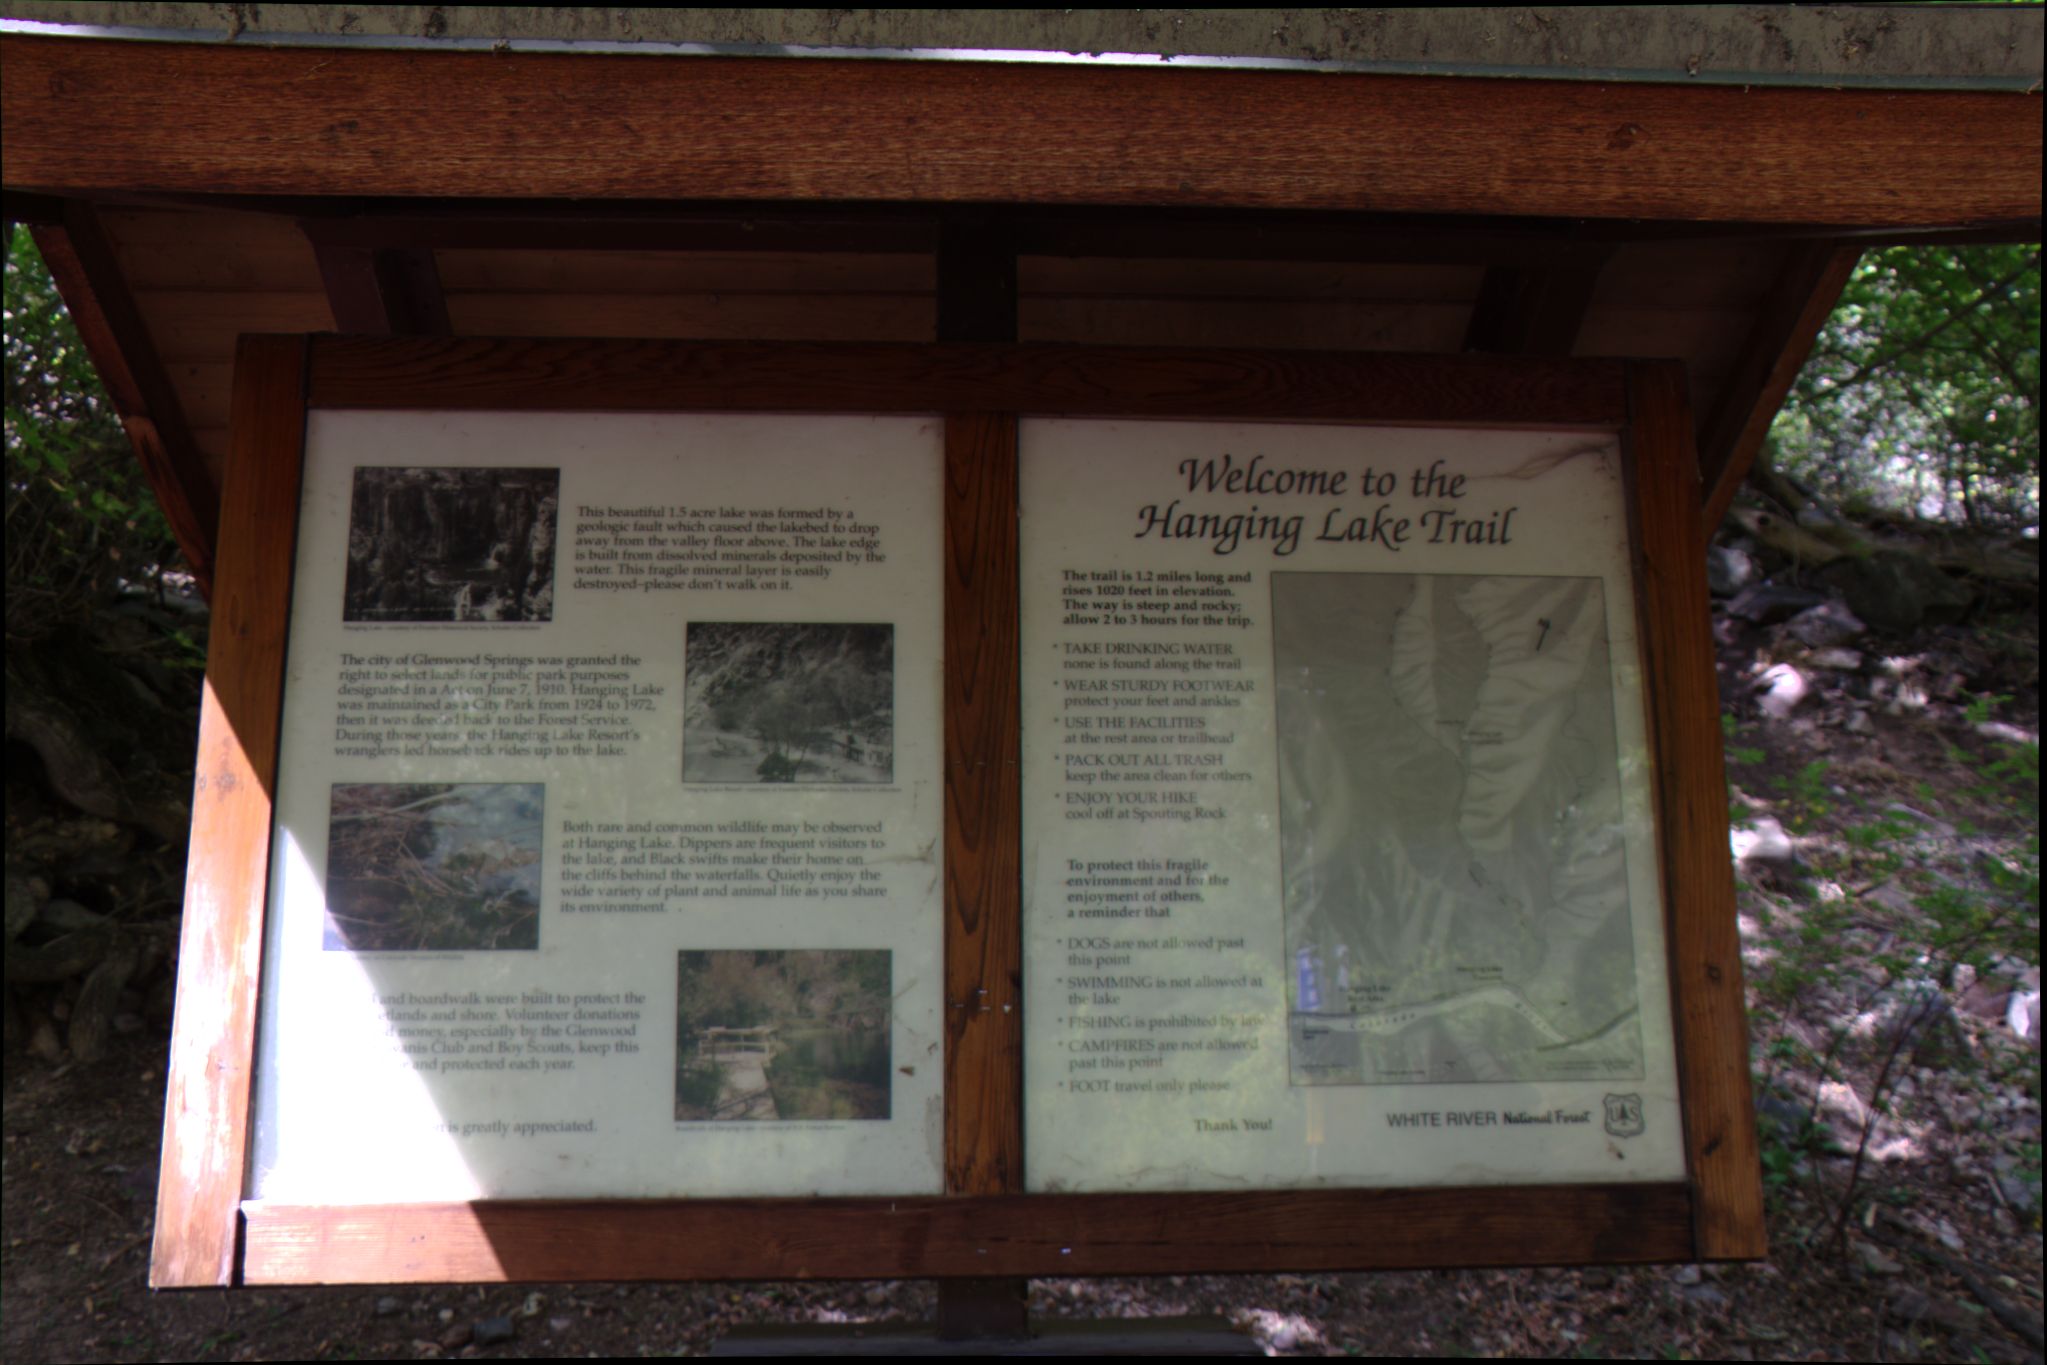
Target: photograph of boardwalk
{"x":782,"y":1034}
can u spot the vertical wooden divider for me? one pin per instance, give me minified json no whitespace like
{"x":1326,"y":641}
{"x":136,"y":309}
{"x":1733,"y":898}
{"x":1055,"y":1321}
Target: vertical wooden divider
{"x":983,"y":855}
{"x":206,"y":1120}
{"x":1698,"y":871}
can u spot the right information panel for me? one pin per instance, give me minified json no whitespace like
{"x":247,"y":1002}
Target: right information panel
{"x":1340,"y":846}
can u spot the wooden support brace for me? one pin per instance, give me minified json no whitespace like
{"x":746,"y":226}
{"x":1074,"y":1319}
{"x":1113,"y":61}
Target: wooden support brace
{"x":1721,"y":1148}
{"x":383,"y":291}
{"x":1805,"y":293}
{"x":976,"y":281}
{"x":206,"y":1118}
{"x":983,"y":855}
{"x":984,"y":859}
{"x":82,"y":262}
{"x":1537,"y":310}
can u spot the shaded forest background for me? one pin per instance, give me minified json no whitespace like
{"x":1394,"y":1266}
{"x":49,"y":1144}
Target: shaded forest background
{"x":1876,"y":597}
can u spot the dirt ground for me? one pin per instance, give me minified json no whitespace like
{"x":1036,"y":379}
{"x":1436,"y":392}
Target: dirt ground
{"x":1940,"y":1258}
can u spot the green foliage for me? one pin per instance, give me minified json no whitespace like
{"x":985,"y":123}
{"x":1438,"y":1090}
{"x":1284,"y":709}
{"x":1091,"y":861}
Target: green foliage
{"x":1779,"y":1160}
{"x":1977,"y":709}
{"x":1730,"y":729}
{"x":2017,"y":772}
{"x":2029,"y":1167}
{"x":55,"y":405}
{"x":1875,"y":846}
{"x":80,"y":516}
{"x":697,"y":1084}
{"x":1807,"y":796}
{"x":2009,"y":775}
{"x":1921,"y":395}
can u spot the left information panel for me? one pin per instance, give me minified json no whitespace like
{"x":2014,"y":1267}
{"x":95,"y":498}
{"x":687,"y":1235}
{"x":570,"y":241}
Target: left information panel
{"x":608,"y":812}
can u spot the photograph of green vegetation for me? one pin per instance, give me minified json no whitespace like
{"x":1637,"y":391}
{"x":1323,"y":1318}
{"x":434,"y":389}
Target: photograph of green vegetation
{"x":782,"y":1034}
{"x":424,"y":866}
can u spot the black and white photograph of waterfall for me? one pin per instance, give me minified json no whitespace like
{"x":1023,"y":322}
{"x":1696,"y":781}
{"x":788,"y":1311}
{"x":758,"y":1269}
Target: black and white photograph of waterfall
{"x":451,"y":545}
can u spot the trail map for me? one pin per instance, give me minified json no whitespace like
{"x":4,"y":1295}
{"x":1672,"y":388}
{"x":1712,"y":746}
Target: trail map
{"x":1456,"y":894}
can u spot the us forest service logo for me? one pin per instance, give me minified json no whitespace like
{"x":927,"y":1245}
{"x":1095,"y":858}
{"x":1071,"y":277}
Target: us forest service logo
{"x":1624,"y":1116}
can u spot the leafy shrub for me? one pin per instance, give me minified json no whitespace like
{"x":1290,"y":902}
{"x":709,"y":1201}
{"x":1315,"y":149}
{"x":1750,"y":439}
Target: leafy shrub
{"x":81,"y":519}
{"x":1921,"y":396}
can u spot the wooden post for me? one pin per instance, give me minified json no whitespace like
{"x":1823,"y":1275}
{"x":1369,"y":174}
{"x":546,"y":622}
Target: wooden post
{"x":983,"y":846}
{"x":206,"y":1118}
{"x":1698,"y":874}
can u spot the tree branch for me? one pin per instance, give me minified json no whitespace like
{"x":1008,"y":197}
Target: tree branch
{"x":1871,"y":367}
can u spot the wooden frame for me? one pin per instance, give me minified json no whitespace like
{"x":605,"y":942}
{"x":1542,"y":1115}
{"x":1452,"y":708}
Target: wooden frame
{"x":208,"y":1235}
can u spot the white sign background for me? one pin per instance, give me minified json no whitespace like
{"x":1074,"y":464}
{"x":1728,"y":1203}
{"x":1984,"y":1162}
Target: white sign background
{"x":341,"y":1117}
{"x":1084,"y":488}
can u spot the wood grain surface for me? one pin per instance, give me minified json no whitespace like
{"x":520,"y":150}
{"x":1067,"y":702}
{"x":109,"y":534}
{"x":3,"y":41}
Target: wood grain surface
{"x":206,"y":1116}
{"x":983,"y":857}
{"x":1306,"y":1230}
{"x":587,"y":375}
{"x":85,"y":116}
{"x":730,"y":314}
{"x":393,"y":291}
{"x":1691,"y":775}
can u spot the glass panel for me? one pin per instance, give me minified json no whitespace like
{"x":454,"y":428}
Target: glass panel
{"x":606,"y":851}
{"x":1339,"y":847}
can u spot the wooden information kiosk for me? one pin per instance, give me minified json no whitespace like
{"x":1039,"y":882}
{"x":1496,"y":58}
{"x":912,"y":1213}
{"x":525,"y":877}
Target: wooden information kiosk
{"x":848,"y":667}
{"x":952,"y":809}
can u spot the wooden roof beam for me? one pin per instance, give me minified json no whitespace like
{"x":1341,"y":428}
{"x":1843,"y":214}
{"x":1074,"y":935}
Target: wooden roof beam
{"x":87,"y":116}
{"x":558,"y":225}
{"x":431,"y":224}
{"x":37,"y":210}
{"x":1113,"y":231}
{"x":88,"y":277}
{"x":497,"y":223}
